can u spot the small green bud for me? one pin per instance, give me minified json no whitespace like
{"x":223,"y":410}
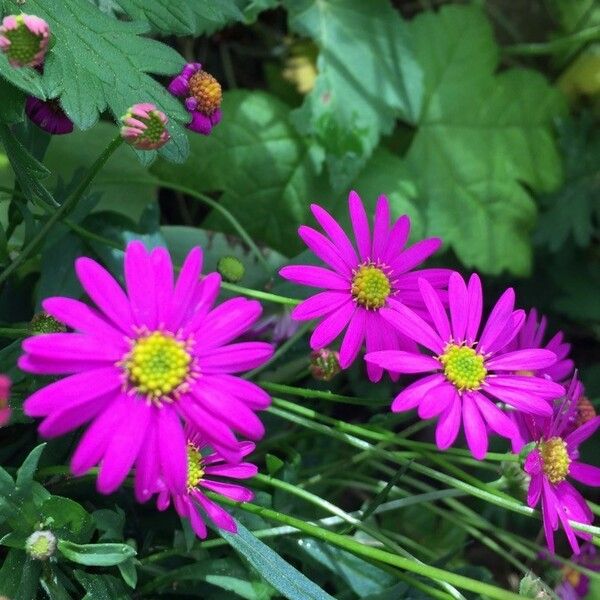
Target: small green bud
{"x":533,"y":587}
{"x":44,"y":323}
{"x":324,"y":364}
{"x":40,"y":545}
{"x":231,"y":268}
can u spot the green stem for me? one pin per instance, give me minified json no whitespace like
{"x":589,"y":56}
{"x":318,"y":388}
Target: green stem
{"x":63,"y":210}
{"x":590,"y":34}
{"x":318,"y":394}
{"x":267,"y":296}
{"x":368,"y":552}
{"x":9,"y":332}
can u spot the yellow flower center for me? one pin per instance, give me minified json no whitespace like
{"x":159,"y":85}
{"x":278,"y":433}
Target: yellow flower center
{"x":158,"y":365}
{"x":555,"y":459}
{"x":195,"y":466}
{"x":207,"y":91}
{"x":370,"y":287}
{"x":463,"y":367}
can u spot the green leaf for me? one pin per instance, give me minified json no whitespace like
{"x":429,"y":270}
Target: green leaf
{"x":98,"y":62}
{"x":182,"y":17}
{"x":128,"y":573}
{"x":96,"y":555}
{"x":26,"y":79}
{"x":368,"y":77}
{"x":13,"y":100}
{"x":265,"y":170}
{"x":110,"y":523}
{"x":67,"y":519}
{"x":481,"y":136}
{"x":101,"y":587}
{"x":281,"y":575}
{"x":28,"y":468}
{"x":574,"y":210}
{"x":28,"y":170}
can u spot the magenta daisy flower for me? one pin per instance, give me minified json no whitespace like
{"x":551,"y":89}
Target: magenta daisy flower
{"x":361,"y":282}
{"x":203,"y":95}
{"x":470,"y":369}
{"x":48,"y":115}
{"x":207,"y":470}
{"x":531,"y":335}
{"x":141,"y":361}
{"x":24,"y":39}
{"x":575,"y":585}
{"x":554,"y":458}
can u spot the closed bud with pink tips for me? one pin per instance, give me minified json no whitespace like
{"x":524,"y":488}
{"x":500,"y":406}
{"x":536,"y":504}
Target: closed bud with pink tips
{"x":145,"y":127}
{"x":24,"y":40}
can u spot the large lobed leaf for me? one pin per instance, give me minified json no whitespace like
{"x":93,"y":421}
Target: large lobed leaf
{"x":367,"y":78}
{"x":99,"y":63}
{"x":481,"y":136}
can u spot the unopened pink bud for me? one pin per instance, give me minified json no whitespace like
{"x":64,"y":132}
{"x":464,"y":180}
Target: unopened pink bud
{"x":24,"y":40}
{"x":144,"y":127}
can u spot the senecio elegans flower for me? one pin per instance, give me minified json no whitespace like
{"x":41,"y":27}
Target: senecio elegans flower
{"x":203,"y":95}
{"x":145,"y":127}
{"x":468,"y":367}
{"x":48,"y":115}
{"x":207,"y":470}
{"x":24,"y":40}
{"x":143,"y":360}
{"x":554,"y":458}
{"x":361,"y":282}
{"x":531,"y":335}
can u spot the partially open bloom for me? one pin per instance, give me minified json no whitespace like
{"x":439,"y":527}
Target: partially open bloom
{"x":575,"y":585}
{"x":207,"y":470}
{"x":324,"y":364}
{"x":361,"y":283}
{"x":554,"y":458}
{"x":203,"y":95}
{"x":471,"y":369}
{"x":4,"y":394}
{"x":24,"y":39}
{"x":145,"y":127}
{"x":48,"y":115}
{"x":40,"y":545}
{"x":531,"y":335}
{"x":141,"y":361}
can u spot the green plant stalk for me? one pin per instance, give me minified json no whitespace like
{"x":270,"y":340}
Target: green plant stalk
{"x":376,"y":554}
{"x":259,"y":295}
{"x":16,"y":333}
{"x":64,"y":209}
{"x":589,"y":34}
{"x":484,"y":494}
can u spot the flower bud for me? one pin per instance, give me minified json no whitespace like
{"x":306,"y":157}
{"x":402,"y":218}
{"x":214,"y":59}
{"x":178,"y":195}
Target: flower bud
{"x":231,"y":268}
{"x":144,"y":127}
{"x":40,"y":545}
{"x":24,"y":40}
{"x":44,"y":323}
{"x":324,"y":364}
{"x":585,"y":410}
{"x":533,"y":587}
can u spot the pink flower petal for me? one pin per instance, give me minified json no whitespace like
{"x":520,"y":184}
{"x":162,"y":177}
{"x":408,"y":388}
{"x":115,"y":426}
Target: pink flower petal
{"x":535,"y":385}
{"x":535,"y":490}
{"x":324,"y":249}
{"x":332,"y":325}
{"x":105,"y":292}
{"x":436,"y":400}
{"x":203,"y":299}
{"x":227,"y":321}
{"x":496,"y":419}
{"x":71,"y":417}
{"x":185,"y":287}
{"x":448,"y":425}
{"x":315,"y":277}
{"x":459,"y":306}
{"x":497,"y":320}
{"x":234,"y":358}
{"x":521,"y":400}
{"x":163,"y":276}
{"x":246,"y":391}
{"x":508,"y":334}
{"x":375,"y":341}
{"x":147,"y":470}
{"x":337,"y":235}
{"x":475,"y":295}
{"x":360,"y":225}
{"x":582,"y":433}
{"x":216,"y":513}
{"x":318,"y":305}
{"x":416,"y":254}
{"x":475,"y":430}
{"x":406,"y":321}
{"x":436,"y":309}
{"x":172,"y":450}
{"x":353,"y":339}
{"x":403,"y":362}
{"x":381,"y":227}
{"x":412,"y":395}
{"x":397,"y":239}
{"x":586,"y":474}
{"x":71,"y":346}
{"x":230,"y":490}
{"x":522,"y":360}
{"x":438,"y":278}
{"x":241,"y":471}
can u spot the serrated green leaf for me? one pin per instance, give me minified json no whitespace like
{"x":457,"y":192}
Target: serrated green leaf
{"x":183,"y":17}
{"x":101,"y":587}
{"x":574,"y":210}
{"x":13,"y":101}
{"x":100,"y":63}
{"x":281,"y":575}
{"x":266,"y":171}
{"x":26,"y":79}
{"x":481,"y":137}
{"x":368,"y":78}
{"x":96,"y":555}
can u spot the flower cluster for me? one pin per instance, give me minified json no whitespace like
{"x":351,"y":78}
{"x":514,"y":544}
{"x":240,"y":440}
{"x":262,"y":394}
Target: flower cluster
{"x":492,"y":375}
{"x":153,"y":369}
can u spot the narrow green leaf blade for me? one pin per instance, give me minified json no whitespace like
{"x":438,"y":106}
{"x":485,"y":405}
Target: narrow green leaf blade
{"x":96,"y":555}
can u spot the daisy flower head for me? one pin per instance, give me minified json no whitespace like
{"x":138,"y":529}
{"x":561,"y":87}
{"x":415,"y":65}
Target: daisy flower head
{"x":207,"y":471}
{"x":469,"y":368}
{"x":203,"y":96}
{"x":531,"y":335}
{"x":143,"y":360}
{"x":361,"y":281}
{"x":555,"y":457}
{"x":575,"y":584}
